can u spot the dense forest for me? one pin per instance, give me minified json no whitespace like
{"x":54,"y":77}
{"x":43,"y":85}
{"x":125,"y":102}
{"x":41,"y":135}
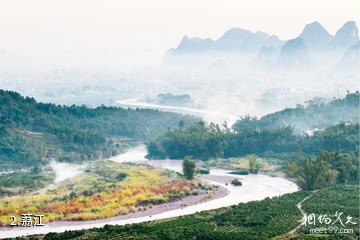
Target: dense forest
{"x":254,"y":220}
{"x":31,"y":132}
{"x":205,"y":142}
{"x":315,"y":113}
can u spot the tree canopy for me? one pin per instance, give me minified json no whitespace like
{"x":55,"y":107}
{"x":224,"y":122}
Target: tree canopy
{"x":188,"y":168}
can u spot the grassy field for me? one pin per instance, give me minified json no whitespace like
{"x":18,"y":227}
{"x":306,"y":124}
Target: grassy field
{"x":254,"y":220}
{"x":105,"y":189}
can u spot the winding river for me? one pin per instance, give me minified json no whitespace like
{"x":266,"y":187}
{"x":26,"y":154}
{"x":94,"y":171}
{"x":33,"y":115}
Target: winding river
{"x":207,"y":115}
{"x":255,"y":187}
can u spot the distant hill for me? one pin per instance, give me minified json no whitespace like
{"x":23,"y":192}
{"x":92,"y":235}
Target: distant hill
{"x":315,"y":36}
{"x":267,"y":56}
{"x":234,"y":40}
{"x":314,"y":46}
{"x":192,"y":45}
{"x":346,"y":36}
{"x":350,"y":62}
{"x":294,"y":52}
{"x":173,"y":100}
{"x":315,"y":113}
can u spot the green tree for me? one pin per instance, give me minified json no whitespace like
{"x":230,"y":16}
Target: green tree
{"x":252,"y":160}
{"x":188,"y":168}
{"x":316,"y":173}
{"x":291,"y":169}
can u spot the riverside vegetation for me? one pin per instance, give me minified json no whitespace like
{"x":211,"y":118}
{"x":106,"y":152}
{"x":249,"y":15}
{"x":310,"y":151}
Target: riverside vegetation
{"x":33,"y":133}
{"x":104,"y":190}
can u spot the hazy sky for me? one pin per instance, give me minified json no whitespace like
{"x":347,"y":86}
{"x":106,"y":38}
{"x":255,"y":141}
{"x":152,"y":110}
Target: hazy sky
{"x":85,"y":27}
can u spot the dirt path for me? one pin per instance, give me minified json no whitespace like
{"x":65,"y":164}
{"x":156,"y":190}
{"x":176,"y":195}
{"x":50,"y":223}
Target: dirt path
{"x":292,"y":233}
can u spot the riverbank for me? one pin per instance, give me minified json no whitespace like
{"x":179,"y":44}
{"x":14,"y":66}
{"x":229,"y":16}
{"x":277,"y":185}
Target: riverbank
{"x":255,"y":187}
{"x":139,"y":214}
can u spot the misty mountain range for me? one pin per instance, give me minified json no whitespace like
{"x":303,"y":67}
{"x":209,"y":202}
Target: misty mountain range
{"x":315,"y":45}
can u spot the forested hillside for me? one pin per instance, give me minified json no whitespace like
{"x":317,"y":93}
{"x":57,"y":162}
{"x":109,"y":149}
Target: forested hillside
{"x":315,"y":113}
{"x":31,"y":132}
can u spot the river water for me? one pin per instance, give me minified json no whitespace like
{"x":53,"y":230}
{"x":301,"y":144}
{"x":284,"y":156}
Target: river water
{"x":255,"y":187}
{"x":64,"y":170}
{"x":207,"y":115}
